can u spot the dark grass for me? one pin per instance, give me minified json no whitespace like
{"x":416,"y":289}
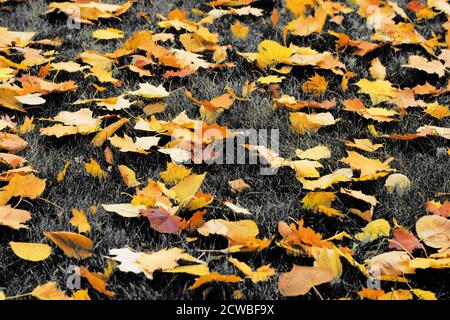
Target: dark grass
{"x":271,"y":199}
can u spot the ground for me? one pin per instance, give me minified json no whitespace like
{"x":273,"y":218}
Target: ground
{"x":271,"y":198}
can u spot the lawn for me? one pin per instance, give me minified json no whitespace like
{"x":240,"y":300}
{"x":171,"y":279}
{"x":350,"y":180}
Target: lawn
{"x":425,"y":160}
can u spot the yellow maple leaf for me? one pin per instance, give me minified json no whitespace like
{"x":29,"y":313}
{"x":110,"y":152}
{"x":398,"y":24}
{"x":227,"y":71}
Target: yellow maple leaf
{"x":378,"y":90}
{"x":94,"y":169}
{"x":239,"y":30}
{"x":80,"y":221}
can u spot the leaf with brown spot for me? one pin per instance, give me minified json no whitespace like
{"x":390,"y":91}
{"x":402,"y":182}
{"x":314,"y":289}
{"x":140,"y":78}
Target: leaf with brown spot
{"x":74,"y":245}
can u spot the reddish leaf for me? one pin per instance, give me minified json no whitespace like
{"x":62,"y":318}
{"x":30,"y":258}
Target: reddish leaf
{"x":404,"y":240}
{"x":162,"y":221}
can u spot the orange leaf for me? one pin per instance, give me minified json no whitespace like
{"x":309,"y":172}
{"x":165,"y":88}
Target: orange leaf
{"x":300,"y":280}
{"x":74,"y":245}
{"x":214,"y":276}
{"x":96,"y":280}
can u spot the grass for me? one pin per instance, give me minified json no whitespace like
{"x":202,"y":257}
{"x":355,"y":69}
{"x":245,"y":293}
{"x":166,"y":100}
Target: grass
{"x":271,"y":199}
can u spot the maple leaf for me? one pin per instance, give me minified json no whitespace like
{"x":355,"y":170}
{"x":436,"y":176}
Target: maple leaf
{"x":440,"y":209}
{"x":238,"y":185}
{"x":315,"y":153}
{"x":126,"y":144}
{"x":271,"y":53}
{"x":356,"y":194}
{"x":239,"y":30}
{"x":163,"y":260}
{"x":162,"y":221}
{"x":378,"y":90}
{"x":378,"y":114}
{"x":61,"y":175}
{"x":377,"y":70}
{"x":363,"y":144}
{"x":107,"y":132}
{"x":174,"y":173}
{"x":317,"y":85}
{"x":306,"y":25}
{"x":25,"y":186}
{"x":195,"y":222}
{"x":108,"y":34}
{"x":368,"y":167}
{"x":80,"y":221}
{"x":12,"y":160}
{"x":94,"y":169}
{"x":149,"y":91}
{"x":304,"y":237}
{"x":326,"y":181}
{"x":87,"y":12}
{"x":321,"y":202}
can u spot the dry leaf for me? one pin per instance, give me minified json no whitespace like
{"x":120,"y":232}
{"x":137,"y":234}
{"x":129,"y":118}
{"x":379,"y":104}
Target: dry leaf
{"x":31,"y":251}
{"x":80,"y":221}
{"x":300,"y":280}
{"x":74,"y":245}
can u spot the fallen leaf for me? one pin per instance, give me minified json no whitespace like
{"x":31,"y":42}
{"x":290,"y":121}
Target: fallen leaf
{"x":74,"y":245}
{"x":261,"y":274}
{"x":434,"y":231}
{"x":94,"y":169}
{"x":108,"y":34}
{"x":126,"y":210}
{"x":128,"y":176}
{"x":374,"y":230}
{"x":14,"y":218}
{"x":80,"y":221}
{"x":300,"y":280}
{"x":49,"y":291}
{"x":31,"y":251}
{"x":214,"y":276}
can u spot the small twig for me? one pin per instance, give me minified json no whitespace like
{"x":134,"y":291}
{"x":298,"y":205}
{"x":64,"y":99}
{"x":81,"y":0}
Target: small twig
{"x":52,"y":203}
{"x":18,"y":296}
{"x":318,"y":293}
